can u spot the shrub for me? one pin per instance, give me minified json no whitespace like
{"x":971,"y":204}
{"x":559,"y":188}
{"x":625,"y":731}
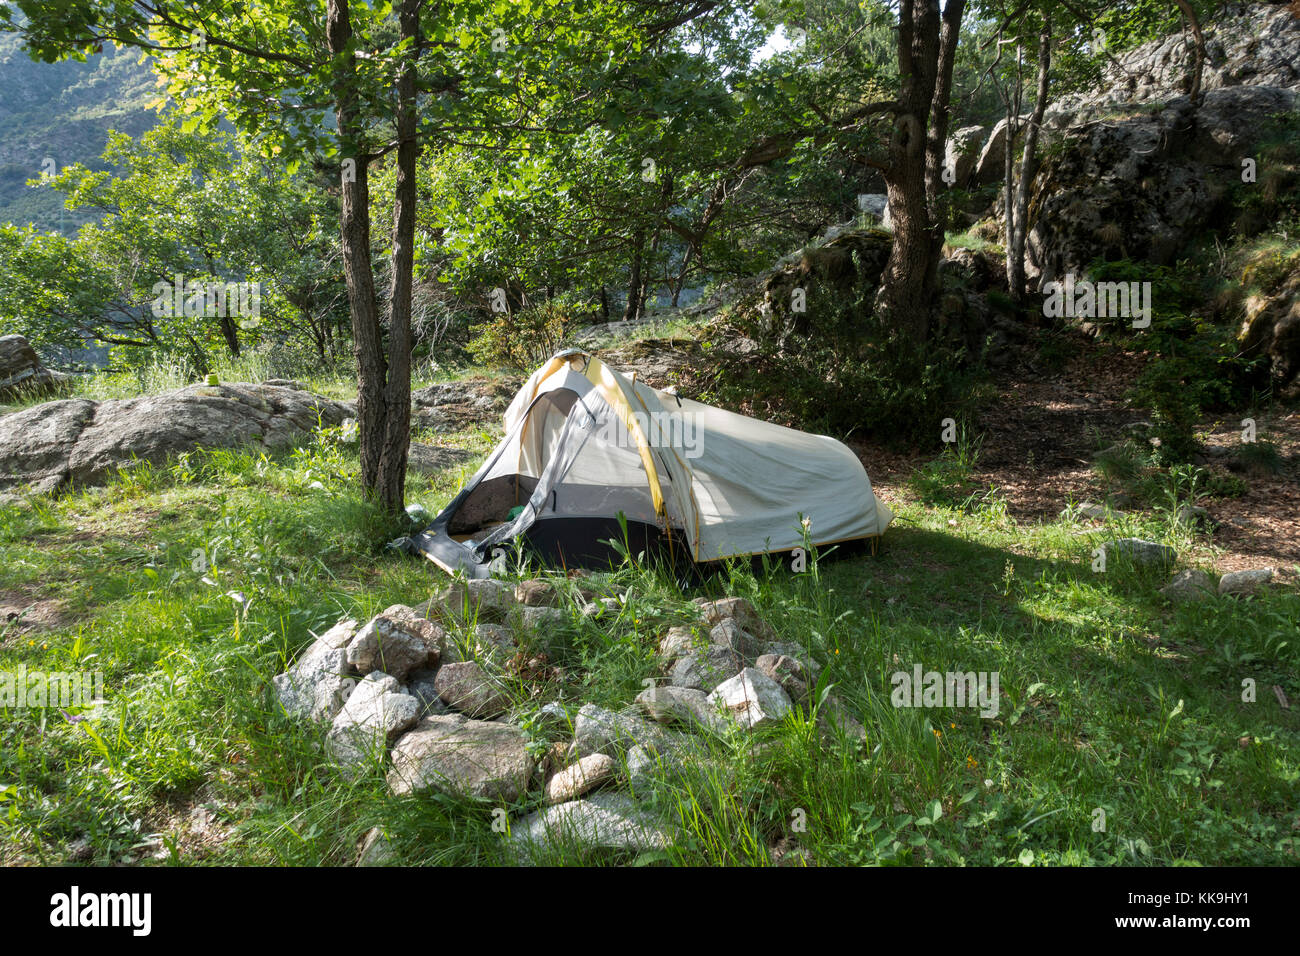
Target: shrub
{"x":523,"y":340}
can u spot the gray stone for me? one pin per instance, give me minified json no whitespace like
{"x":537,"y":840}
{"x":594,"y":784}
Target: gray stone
{"x":834,"y":721}
{"x":729,"y":634}
{"x":739,"y":610}
{"x":317,"y":685}
{"x":21,"y":371}
{"x":1192,"y":584}
{"x":467,"y":688}
{"x":685,"y":705}
{"x":422,"y":685}
{"x":484,"y":599}
{"x":493,"y":642}
{"x":598,"y":730}
{"x":588,"y":773}
{"x":603,"y":820}
{"x":1140,"y":552}
{"x":83,"y":442}
{"x":376,"y":711}
{"x":536,"y":593}
{"x":1243,"y":583}
{"x":705,"y":668}
{"x":376,"y":849}
{"x":384,"y":645}
{"x":787,"y":672}
{"x":470,"y":758}
{"x":677,"y":642}
{"x":752,"y":699}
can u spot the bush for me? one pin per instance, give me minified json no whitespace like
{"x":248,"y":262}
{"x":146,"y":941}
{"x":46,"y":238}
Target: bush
{"x":838,"y":368}
{"x":523,"y":340}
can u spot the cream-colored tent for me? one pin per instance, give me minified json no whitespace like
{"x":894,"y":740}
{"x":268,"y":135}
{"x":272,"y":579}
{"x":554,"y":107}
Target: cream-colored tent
{"x":586,"y":446}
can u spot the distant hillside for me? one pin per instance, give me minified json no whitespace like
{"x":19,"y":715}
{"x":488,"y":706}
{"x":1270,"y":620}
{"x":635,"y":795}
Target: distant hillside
{"x":63,"y":111}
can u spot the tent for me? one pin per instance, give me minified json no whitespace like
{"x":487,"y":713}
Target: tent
{"x":591,"y":455}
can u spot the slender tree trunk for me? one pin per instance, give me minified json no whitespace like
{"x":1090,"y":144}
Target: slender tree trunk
{"x":1198,"y":63}
{"x":1028,"y":170}
{"x":358,"y":272}
{"x":230,"y":332}
{"x":940,"y":113}
{"x":633,"y":308}
{"x":391,"y":480}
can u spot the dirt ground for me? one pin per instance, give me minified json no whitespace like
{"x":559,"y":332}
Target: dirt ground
{"x":1040,"y":432}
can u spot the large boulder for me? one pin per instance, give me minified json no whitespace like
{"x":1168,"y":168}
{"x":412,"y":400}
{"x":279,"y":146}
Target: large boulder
{"x":83,"y":442}
{"x":21,"y":370}
{"x":462,"y":757}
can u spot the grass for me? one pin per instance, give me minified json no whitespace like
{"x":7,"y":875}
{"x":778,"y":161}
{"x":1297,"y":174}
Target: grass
{"x":1112,"y":699}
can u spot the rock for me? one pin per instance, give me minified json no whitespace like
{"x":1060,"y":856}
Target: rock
{"x":21,"y":370}
{"x":990,"y":167}
{"x":603,"y":820}
{"x":834,"y":721}
{"x":494,"y":643}
{"x":434,"y":635}
{"x":799,"y":655}
{"x":705,"y":668}
{"x":317,"y":685}
{"x":486,"y":599}
{"x":1140,"y":182}
{"x":739,"y":610}
{"x":1250,"y":44}
{"x":375,"y":849}
{"x":454,"y":406}
{"x":751,"y":698}
{"x":83,"y":442}
{"x":598,"y":730}
{"x":1244,"y":583}
{"x":1087,"y":509}
{"x":685,"y":705}
{"x":729,"y":634}
{"x":422,"y":685}
{"x":385,"y":645}
{"x":376,"y":711}
{"x":536,"y":593}
{"x":787,"y":672}
{"x":677,"y":642}
{"x":590,"y":772}
{"x":468,"y":758}
{"x":1192,"y":584}
{"x":541,"y":620}
{"x":874,"y":207}
{"x":961,"y":153}
{"x":466,"y":688}
{"x":645,"y":768}
{"x":1140,"y":552}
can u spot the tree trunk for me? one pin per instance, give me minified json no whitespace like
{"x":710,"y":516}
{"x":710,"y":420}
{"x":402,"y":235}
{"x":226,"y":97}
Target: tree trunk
{"x":926,"y":54}
{"x":358,"y":272}
{"x":633,"y":308}
{"x":391,"y":479}
{"x":1198,"y":62}
{"x":1028,"y":169}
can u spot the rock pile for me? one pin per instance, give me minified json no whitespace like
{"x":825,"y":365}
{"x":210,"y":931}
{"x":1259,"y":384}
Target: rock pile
{"x":404,"y":685}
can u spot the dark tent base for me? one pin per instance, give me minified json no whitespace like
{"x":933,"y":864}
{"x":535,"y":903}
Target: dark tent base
{"x":584,"y":542}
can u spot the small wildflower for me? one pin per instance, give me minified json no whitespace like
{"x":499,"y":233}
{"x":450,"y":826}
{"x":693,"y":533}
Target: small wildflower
{"x":937,"y":732}
{"x":971,"y":763}
{"x":952,"y":726}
